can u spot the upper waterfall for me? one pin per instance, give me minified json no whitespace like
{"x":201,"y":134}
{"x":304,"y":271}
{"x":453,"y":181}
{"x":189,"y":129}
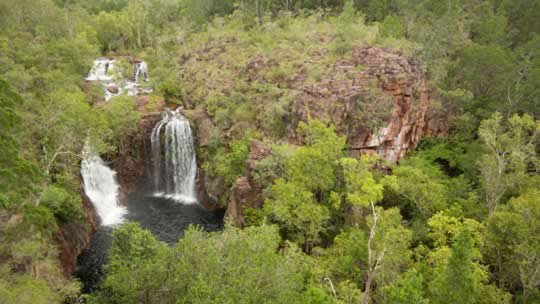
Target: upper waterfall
{"x":101,"y":187}
{"x":173,"y":155}
{"x":114,"y":79}
{"x":101,"y":70}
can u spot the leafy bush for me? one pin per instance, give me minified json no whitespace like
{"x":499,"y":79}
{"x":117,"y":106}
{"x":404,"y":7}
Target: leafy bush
{"x":65,"y":206}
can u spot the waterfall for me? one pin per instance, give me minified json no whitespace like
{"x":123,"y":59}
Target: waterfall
{"x":101,"y":70}
{"x":173,"y":155}
{"x":114,"y":81}
{"x":101,"y":187}
{"x":140,"y":69}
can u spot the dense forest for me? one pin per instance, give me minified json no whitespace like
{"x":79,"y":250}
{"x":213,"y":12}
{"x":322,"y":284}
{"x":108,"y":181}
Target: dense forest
{"x":456,"y":219}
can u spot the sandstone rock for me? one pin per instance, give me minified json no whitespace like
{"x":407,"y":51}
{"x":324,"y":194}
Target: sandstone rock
{"x":246,"y":193}
{"x":402,"y":79}
{"x":130,"y":159}
{"x":243,"y":195}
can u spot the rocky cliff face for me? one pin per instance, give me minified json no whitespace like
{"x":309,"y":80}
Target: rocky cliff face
{"x":246,"y":192}
{"x":130,"y":161}
{"x":383,"y":104}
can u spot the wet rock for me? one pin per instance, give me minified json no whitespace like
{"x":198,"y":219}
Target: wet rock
{"x":113,"y":88}
{"x":130,"y":160}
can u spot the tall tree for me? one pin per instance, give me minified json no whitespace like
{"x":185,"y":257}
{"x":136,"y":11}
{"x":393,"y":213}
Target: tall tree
{"x":512,"y":239}
{"x":511,"y":153}
{"x":456,"y":284}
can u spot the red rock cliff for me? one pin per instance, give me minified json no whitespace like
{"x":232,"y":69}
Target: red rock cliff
{"x":370,"y":72}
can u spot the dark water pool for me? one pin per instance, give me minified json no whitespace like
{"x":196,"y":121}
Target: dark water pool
{"x":165,"y":218}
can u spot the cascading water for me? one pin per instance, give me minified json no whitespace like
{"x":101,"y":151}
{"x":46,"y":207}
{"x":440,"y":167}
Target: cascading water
{"x":114,"y":81}
{"x":101,"y":187}
{"x":174,"y":162}
{"x":140,"y":69}
{"x":101,"y":70}
{"x":174,"y":172}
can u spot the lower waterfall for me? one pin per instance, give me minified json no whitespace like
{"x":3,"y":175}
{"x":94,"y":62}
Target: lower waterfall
{"x":101,"y":187}
{"x":173,"y":158}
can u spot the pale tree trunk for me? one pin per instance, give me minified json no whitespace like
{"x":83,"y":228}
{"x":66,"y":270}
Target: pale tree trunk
{"x":374,"y":259}
{"x":493,"y":196}
{"x":529,"y":273}
{"x":332,"y":287}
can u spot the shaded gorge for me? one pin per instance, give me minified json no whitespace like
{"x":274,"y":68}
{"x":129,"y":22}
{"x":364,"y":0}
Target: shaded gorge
{"x":164,"y":203}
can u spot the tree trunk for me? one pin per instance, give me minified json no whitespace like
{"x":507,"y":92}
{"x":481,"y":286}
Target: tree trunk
{"x":373,"y":262}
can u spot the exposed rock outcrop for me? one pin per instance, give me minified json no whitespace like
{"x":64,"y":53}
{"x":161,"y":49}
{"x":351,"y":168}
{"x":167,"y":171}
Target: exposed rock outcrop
{"x":130,"y":161}
{"x":246,"y":192}
{"x":343,"y":101}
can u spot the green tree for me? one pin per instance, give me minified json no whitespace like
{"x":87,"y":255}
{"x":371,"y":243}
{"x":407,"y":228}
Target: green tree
{"x":513,"y":244}
{"x":233,"y":266}
{"x":387,"y":240}
{"x":134,"y":273}
{"x":488,"y":72}
{"x":16,"y":174}
{"x":511,"y":151}
{"x":458,"y":277}
{"x":121,"y":117}
{"x":407,"y":289}
{"x":418,"y":183}
{"x":314,"y":165}
{"x":300,"y":217}
{"x":456,"y":284}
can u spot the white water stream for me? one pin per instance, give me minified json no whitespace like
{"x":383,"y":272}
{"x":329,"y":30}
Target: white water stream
{"x":173,"y":156}
{"x":113,"y":81}
{"x":101,"y":187}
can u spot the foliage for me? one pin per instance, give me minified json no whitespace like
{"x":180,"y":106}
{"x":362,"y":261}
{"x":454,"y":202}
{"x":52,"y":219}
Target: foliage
{"x":511,"y":240}
{"x":407,"y":289}
{"x":511,"y":151}
{"x":122,"y":118}
{"x":314,"y":165}
{"x":233,"y":266}
{"x":418,"y":184}
{"x":414,"y":232}
{"x":65,"y":206}
{"x":461,"y":281}
{"x":294,"y":208}
{"x":230,"y":162}
{"x":16,"y":174}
